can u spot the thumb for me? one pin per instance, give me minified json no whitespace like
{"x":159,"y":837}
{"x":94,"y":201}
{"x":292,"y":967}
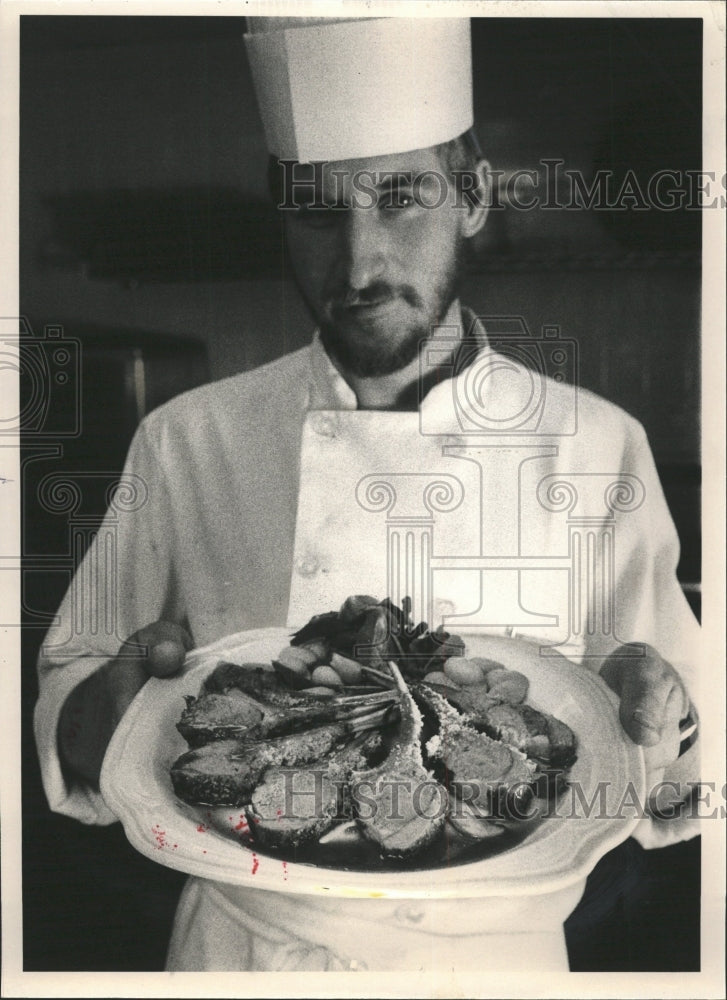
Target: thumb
{"x":166,"y":646}
{"x":165,"y":657}
{"x":662,"y":754}
{"x":649,"y":691}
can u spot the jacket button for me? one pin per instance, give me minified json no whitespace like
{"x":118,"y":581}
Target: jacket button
{"x":411,"y":915}
{"x":308,"y":566}
{"x":323,"y":425}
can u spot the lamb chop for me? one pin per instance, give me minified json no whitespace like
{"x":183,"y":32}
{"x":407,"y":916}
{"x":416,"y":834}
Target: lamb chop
{"x":536,"y":733}
{"x":473,"y":701}
{"x":486,"y":773}
{"x":225,"y":772}
{"x":291,"y":807}
{"x":253,"y":678}
{"x":398,"y":805}
{"x":242,"y":703}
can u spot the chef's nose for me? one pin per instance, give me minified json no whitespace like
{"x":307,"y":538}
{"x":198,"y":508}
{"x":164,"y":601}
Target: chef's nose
{"x":363,"y":250}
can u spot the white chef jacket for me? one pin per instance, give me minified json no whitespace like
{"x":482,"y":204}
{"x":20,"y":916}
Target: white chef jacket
{"x":267,"y":497}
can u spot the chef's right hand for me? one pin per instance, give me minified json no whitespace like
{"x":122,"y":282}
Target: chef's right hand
{"x":94,"y":708}
{"x":157,"y":650}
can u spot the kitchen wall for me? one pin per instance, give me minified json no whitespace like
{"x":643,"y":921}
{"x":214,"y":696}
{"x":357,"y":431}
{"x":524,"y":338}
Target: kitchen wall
{"x":135,"y":107}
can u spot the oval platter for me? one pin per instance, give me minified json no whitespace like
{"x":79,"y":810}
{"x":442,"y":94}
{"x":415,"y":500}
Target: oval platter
{"x":588,"y":821}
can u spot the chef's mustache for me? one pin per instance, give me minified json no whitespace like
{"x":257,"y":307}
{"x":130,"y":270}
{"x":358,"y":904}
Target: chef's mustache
{"x":376,"y":293}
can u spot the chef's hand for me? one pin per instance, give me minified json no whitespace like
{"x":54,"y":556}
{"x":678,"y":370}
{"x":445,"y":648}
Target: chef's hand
{"x":653,"y":702}
{"x":94,"y":708}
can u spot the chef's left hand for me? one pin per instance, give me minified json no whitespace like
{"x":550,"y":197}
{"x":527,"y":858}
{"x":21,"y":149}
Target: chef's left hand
{"x":653,"y":701}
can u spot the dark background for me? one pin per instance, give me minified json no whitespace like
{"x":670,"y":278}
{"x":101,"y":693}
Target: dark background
{"x":149,"y":245}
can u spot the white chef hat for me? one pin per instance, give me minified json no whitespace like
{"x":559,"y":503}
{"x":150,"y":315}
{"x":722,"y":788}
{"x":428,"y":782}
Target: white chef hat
{"x":335,"y":89}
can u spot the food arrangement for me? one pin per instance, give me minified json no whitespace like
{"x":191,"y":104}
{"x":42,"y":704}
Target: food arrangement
{"x":372,"y":738}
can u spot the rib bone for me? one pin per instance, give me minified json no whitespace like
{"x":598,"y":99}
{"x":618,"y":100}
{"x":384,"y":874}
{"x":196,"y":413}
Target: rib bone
{"x":242,"y":703}
{"x":398,"y":805}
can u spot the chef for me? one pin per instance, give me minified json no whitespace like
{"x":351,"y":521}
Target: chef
{"x":270,"y":496}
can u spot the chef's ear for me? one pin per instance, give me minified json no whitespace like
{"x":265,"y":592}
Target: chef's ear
{"x":476,"y":198}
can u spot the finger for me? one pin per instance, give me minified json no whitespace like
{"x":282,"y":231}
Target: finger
{"x":611,"y":671}
{"x":646,"y":692}
{"x":662,"y":754}
{"x":618,"y":663}
{"x":653,"y":698}
{"x":162,"y":630}
{"x":125,"y":678}
{"x":161,"y":647}
{"x":165,"y":658}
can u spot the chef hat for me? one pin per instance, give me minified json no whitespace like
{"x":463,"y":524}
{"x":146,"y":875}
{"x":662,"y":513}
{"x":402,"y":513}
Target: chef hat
{"x":336,"y":89}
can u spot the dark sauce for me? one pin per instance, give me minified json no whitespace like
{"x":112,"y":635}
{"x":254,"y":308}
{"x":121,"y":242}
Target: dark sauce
{"x":450,"y":848}
{"x":351,"y":851}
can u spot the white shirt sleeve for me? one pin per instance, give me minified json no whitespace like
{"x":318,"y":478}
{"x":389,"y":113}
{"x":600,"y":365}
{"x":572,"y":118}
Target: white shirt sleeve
{"x":124,"y":582}
{"x":651,"y":608}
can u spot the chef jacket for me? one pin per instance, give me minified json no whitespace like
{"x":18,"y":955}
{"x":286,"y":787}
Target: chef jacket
{"x":509,"y":502}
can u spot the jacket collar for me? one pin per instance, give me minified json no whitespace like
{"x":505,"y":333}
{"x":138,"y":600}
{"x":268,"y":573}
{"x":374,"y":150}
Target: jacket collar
{"x":330,"y":391}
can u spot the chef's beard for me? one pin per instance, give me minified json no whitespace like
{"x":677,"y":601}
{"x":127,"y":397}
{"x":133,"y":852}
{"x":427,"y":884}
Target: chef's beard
{"x":366,"y":355}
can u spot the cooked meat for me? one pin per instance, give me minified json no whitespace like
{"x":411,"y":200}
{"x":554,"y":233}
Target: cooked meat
{"x":398,"y":805}
{"x":473,"y":701}
{"x":225,"y":772}
{"x":481,"y":771}
{"x":471,"y":823}
{"x":481,"y":768}
{"x":508,"y":685}
{"x":254,"y":679}
{"x":402,"y":763}
{"x":506,"y":723}
{"x":293,"y":806}
{"x":563,"y":743}
{"x":535,"y":733}
{"x":272,"y":711}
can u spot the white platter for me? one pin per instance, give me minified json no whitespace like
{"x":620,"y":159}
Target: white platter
{"x":560,"y":851}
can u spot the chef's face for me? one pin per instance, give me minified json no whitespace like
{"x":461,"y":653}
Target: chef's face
{"x":379,"y":264}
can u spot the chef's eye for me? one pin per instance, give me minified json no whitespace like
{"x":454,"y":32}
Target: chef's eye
{"x":396,"y":200}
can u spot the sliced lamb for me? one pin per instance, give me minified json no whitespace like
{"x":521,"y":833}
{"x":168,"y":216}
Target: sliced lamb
{"x":225,"y":772}
{"x":536,"y":733}
{"x":291,"y":807}
{"x":399,"y":805}
{"x":485,"y":773}
{"x":266,"y":709}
